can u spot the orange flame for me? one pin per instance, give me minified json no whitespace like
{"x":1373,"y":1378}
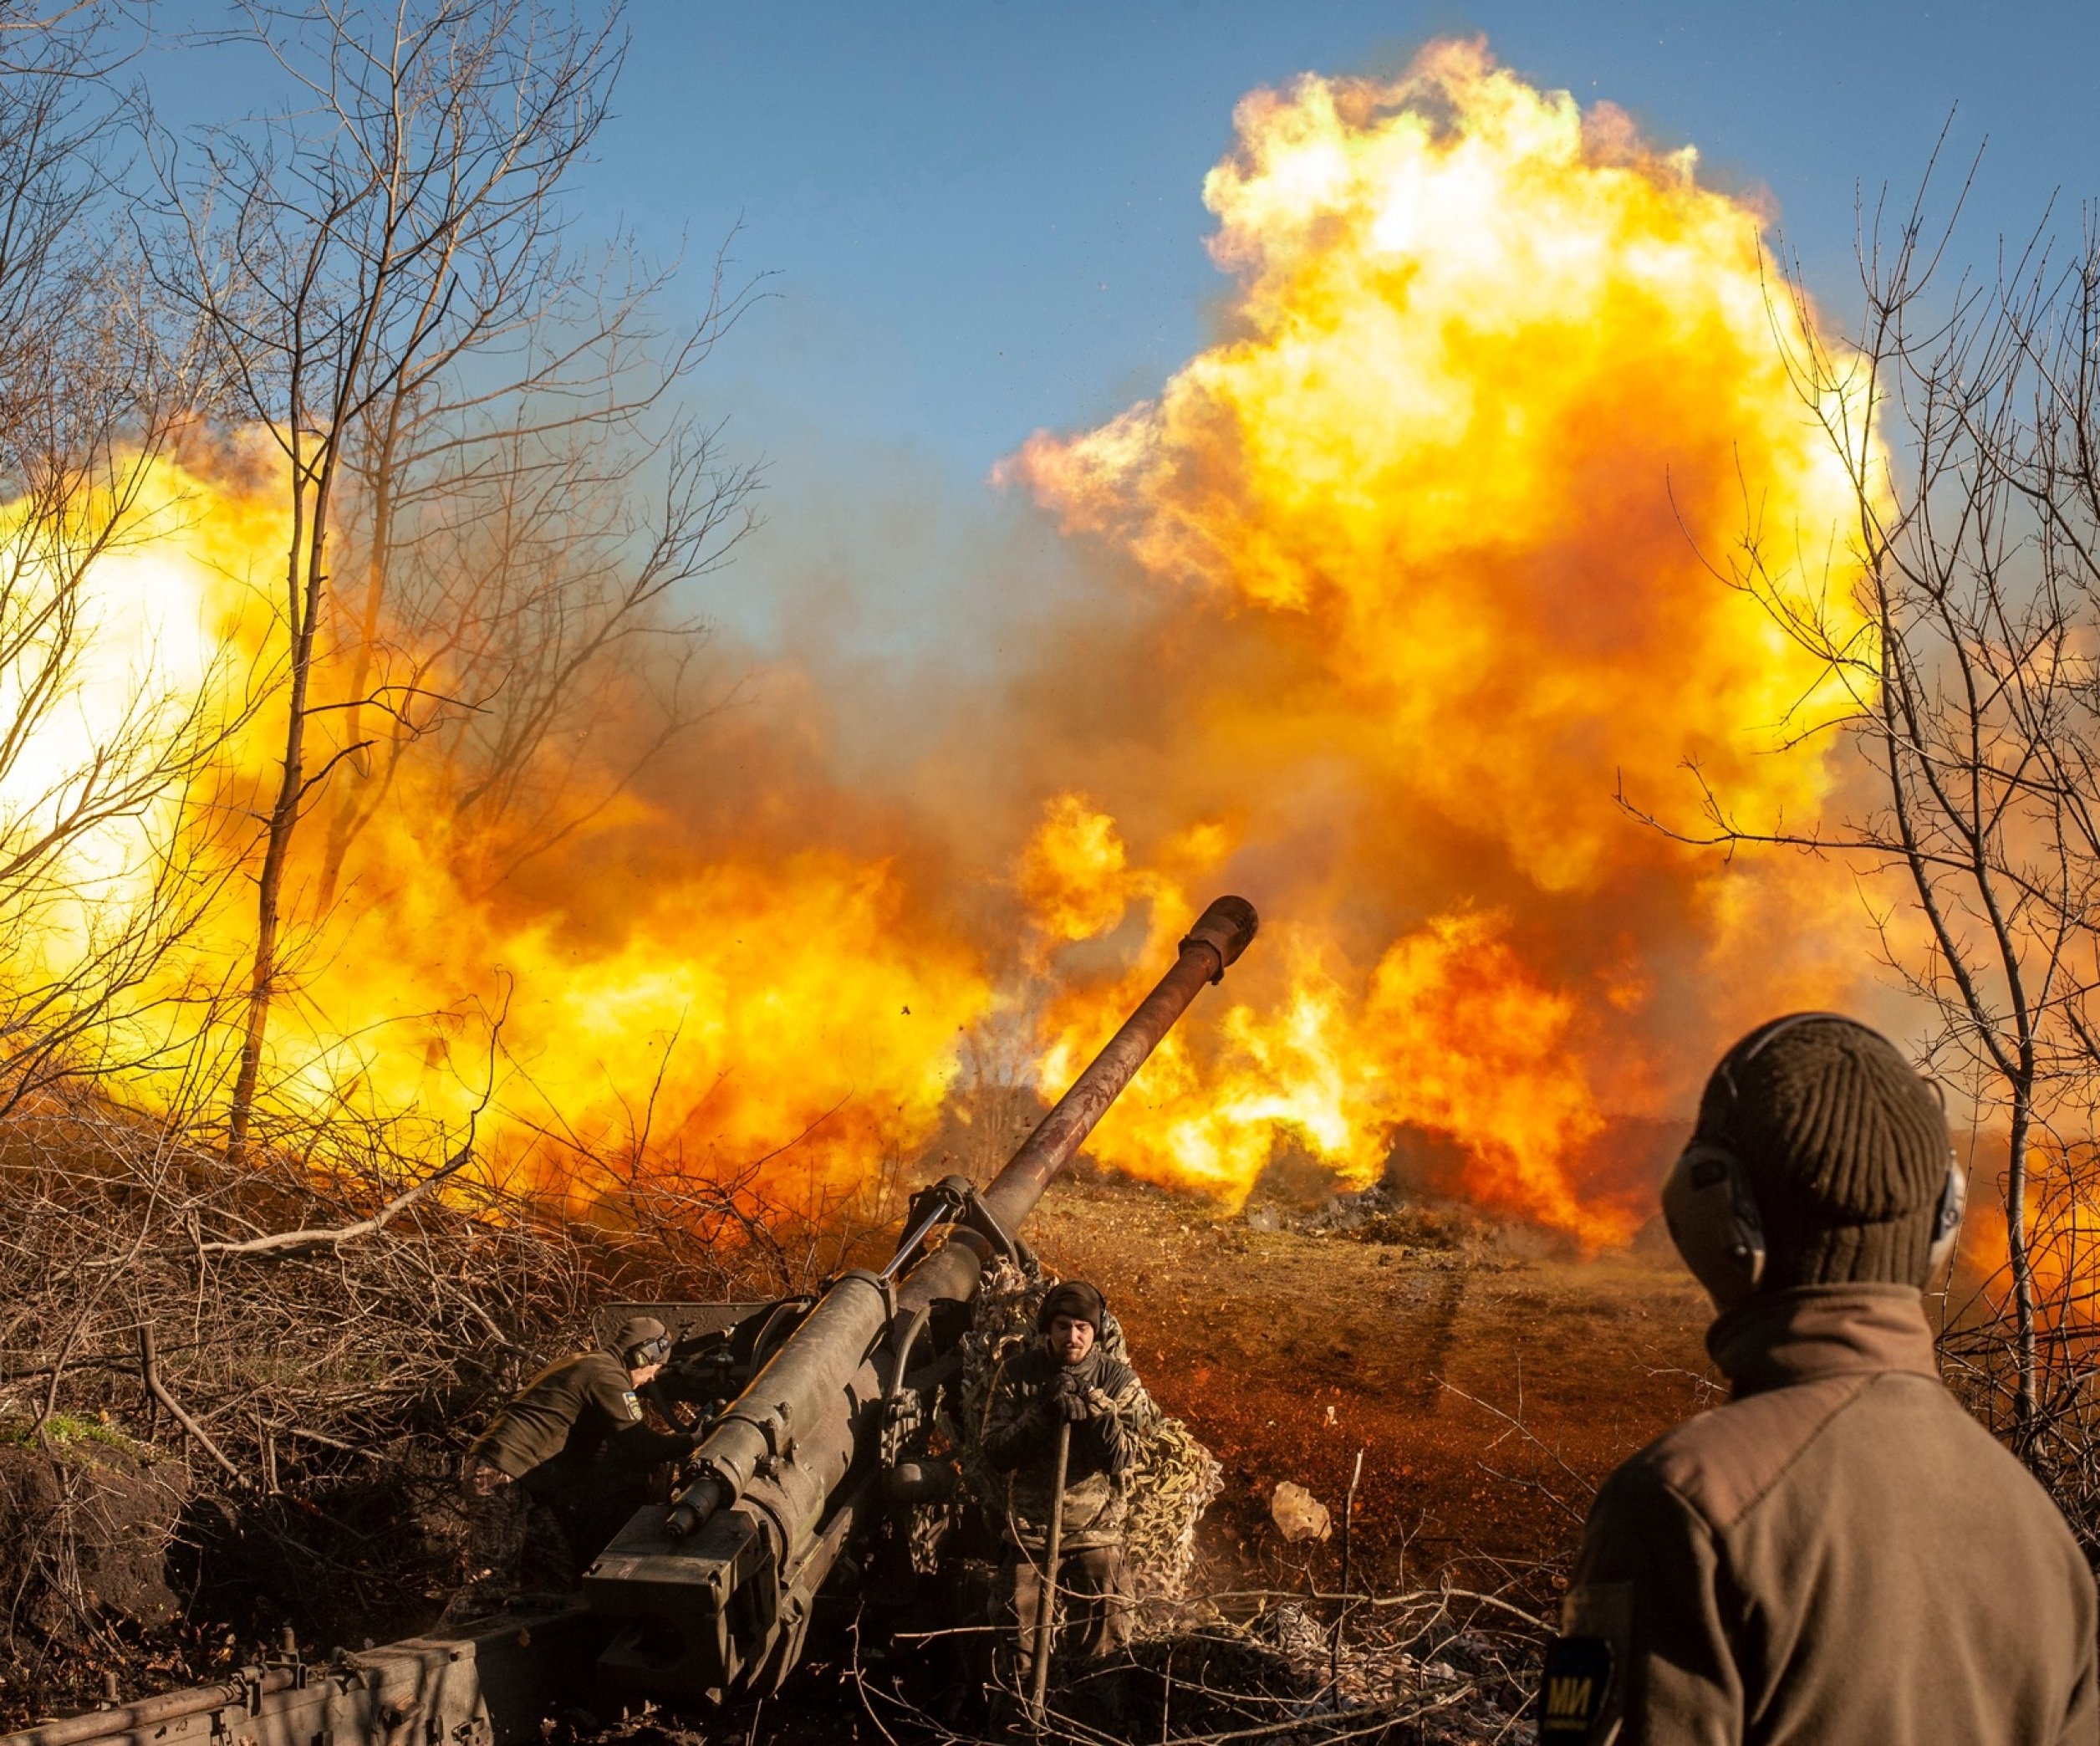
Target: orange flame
{"x":718,"y":1007}
{"x":1424,"y":540}
{"x":1490,"y":363}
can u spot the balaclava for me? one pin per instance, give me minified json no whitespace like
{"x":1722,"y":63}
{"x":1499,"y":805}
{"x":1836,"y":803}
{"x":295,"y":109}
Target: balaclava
{"x":1844,"y":1148}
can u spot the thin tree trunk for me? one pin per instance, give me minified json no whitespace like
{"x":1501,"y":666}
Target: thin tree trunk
{"x":306,"y":600}
{"x":2023,"y":1291}
{"x":348,"y":816}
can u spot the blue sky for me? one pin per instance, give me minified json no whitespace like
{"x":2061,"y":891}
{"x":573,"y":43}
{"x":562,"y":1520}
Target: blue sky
{"x":983,"y":218}
{"x":980,"y":219}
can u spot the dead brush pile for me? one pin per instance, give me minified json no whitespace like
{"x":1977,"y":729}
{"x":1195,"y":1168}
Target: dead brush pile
{"x":1438,"y":1666}
{"x":232,"y":1397}
{"x":1431,"y":1667}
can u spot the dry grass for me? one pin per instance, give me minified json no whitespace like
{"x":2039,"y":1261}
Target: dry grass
{"x":296,"y":1350}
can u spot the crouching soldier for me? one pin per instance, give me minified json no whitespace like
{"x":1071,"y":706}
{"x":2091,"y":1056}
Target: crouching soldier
{"x":1064,"y":1386}
{"x":560,"y":1469}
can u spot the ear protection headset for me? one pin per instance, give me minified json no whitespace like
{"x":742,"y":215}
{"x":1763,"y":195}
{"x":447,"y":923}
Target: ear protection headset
{"x":1044,"y":1318}
{"x":1713,"y":1216}
{"x":652,"y":1350}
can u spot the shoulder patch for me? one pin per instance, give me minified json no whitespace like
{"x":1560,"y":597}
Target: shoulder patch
{"x":633,"y":1407}
{"x":1574,"y":1694}
{"x":1582,"y":1692}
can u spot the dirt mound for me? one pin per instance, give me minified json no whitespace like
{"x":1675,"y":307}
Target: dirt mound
{"x":86,"y":1519}
{"x":1389,"y":1218}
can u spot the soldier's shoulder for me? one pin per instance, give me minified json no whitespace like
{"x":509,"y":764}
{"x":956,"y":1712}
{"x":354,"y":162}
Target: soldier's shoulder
{"x":563,"y":1370}
{"x":1948,"y":1435}
{"x":1117,"y":1376}
{"x":1723,"y":1461}
{"x":597,"y":1374}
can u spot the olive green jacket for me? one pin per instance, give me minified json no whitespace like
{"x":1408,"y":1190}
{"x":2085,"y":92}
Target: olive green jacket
{"x":572,"y":1414}
{"x":1841,"y":1553}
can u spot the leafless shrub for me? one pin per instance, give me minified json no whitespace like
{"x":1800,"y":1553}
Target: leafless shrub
{"x":298,"y":1348}
{"x":1956,"y":622}
{"x":1431,"y":1665}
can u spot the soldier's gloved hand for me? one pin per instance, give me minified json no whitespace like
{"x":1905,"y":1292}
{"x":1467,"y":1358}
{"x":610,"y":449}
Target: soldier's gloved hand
{"x":1072,"y":1407}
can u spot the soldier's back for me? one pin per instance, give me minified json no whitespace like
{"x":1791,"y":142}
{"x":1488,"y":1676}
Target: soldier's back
{"x":538,"y":1425}
{"x":1884,"y":1571}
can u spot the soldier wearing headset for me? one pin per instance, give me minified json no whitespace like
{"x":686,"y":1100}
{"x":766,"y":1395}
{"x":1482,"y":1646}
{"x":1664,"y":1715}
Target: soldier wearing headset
{"x":1840,"y":1553}
{"x":561,"y":1468}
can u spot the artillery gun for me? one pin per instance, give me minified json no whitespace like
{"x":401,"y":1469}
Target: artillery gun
{"x":713,"y":1592}
{"x":810,"y":1443}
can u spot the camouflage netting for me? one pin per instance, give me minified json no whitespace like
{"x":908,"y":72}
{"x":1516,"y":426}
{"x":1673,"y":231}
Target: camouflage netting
{"x":1172,"y":1480}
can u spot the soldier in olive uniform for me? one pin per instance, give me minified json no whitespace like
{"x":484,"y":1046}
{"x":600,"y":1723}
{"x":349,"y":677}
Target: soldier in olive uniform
{"x":1840,"y":1553}
{"x":562,"y":1467}
{"x":1064,"y":1378}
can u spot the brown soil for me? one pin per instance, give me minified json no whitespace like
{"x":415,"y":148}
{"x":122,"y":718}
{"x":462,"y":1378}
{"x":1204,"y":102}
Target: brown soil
{"x":86,"y":1518}
{"x":1489,"y":1390}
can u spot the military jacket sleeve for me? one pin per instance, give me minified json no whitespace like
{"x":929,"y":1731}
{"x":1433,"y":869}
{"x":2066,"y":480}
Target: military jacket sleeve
{"x":1643,"y":1655}
{"x":1017,"y":1422}
{"x":1116,"y":1432}
{"x":538,"y":1424}
{"x":573,"y":1411}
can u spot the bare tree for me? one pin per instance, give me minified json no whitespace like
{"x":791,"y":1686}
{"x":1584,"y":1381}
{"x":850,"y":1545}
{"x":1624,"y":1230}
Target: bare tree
{"x":1956,"y":623}
{"x":101,"y":745}
{"x":374,"y":266}
{"x":521,"y":556}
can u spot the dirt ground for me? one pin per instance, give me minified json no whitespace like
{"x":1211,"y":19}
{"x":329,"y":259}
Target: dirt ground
{"x":1488,"y":1388}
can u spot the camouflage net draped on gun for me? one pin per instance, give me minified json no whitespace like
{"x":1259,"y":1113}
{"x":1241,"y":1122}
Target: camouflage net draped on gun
{"x":1172,"y":1479}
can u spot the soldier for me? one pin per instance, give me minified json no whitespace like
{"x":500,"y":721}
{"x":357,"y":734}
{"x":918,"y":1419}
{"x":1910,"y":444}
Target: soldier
{"x":1840,"y":1553}
{"x":561,"y":1468}
{"x":1065,"y":1379}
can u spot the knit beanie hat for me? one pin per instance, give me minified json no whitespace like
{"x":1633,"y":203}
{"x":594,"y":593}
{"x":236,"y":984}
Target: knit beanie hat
{"x":1843,"y":1146}
{"x":1074,"y":1298}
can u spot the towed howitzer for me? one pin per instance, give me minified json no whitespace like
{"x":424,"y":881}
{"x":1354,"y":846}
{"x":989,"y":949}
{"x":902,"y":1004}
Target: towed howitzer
{"x":712,"y":1593}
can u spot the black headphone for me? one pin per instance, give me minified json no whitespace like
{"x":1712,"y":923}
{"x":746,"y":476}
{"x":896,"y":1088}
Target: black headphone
{"x":654,"y":1350}
{"x":1044,"y":1318}
{"x":1713,"y":1216}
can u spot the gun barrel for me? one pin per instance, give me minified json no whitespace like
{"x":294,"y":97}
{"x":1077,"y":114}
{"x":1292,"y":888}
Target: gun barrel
{"x":1211,"y":948}
{"x":786,"y":1451}
{"x":789,"y":1395}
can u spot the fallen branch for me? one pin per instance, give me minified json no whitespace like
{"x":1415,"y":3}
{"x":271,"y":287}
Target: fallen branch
{"x":150,"y":1373}
{"x":1516,"y":1423}
{"x":325,"y":1439}
{"x":286,"y":1245}
{"x":1431,"y":1598}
